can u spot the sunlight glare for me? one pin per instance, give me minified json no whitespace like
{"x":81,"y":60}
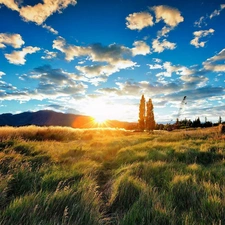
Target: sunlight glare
{"x":101,"y":112}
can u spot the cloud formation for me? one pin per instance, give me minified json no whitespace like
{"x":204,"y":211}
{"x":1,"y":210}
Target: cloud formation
{"x":52,"y":84}
{"x":39,"y":12}
{"x":1,"y":74}
{"x":71,"y":51}
{"x":49,"y":55}
{"x":217,"y":11}
{"x":18,"y":57}
{"x":216,"y":63}
{"x":169,"y":15}
{"x":138,"y":21}
{"x":161,"y":46}
{"x":109,"y":59}
{"x":49,"y":28}
{"x":200,"y":34}
{"x":202,"y":21}
{"x":14,"y":40}
{"x":140,"y":48}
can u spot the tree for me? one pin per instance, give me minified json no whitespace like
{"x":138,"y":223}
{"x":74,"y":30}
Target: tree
{"x":150,"y":121}
{"x":220,"y":120}
{"x":141,"y":120}
{"x":196,"y":123}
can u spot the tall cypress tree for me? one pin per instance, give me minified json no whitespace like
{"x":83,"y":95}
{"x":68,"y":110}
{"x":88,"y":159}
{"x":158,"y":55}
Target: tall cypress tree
{"x":150,"y":120}
{"x":141,"y":120}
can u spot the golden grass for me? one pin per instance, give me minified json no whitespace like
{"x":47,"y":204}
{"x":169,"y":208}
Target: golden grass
{"x":111,"y":176}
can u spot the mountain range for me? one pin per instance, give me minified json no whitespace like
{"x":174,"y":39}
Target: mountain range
{"x":52,"y":118}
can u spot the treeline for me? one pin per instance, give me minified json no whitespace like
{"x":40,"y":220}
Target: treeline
{"x":187,"y":123}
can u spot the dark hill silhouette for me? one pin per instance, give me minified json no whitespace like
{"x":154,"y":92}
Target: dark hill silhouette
{"x":51,"y":118}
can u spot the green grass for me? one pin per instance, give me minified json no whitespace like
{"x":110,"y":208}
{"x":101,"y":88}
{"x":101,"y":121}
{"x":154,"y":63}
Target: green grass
{"x":68,"y":176}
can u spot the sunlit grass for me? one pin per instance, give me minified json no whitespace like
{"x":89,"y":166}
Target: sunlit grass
{"x":55,"y":175}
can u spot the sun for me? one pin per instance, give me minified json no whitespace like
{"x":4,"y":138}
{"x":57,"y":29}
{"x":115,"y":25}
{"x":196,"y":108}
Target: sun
{"x":103,"y":112}
{"x":100,"y":119}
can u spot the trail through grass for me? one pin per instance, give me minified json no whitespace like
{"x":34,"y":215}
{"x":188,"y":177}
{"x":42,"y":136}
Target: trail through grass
{"x":62,"y":176}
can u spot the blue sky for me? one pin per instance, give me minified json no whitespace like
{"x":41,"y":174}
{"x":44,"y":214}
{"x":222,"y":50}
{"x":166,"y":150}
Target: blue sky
{"x":98,"y":57}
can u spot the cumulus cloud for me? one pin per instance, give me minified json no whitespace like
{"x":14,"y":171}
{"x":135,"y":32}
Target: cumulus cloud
{"x":140,"y":48}
{"x":214,"y":67}
{"x":46,"y":74}
{"x":170,"y":69}
{"x":95,"y":70}
{"x":188,"y":78}
{"x":14,"y":40}
{"x":194,"y":81}
{"x":56,"y":82}
{"x":109,"y":59}
{"x":200,"y":34}
{"x":18,"y":57}
{"x":39,"y":12}
{"x":49,"y":55}
{"x":169,"y":15}
{"x":11,"y":4}
{"x":138,"y":21}
{"x":105,"y":70}
{"x":161,"y":46}
{"x":70,"y":51}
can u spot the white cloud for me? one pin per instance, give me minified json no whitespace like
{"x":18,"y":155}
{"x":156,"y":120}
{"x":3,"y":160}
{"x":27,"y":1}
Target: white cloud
{"x":18,"y":57}
{"x":70,"y":51}
{"x":10,"y":4}
{"x":215,"y":63}
{"x":202,"y":21}
{"x":39,"y":12}
{"x":49,"y":28}
{"x":214,"y":68}
{"x":14,"y":40}
{"x":105,"y":70}
{"x":218,"y":57}
{"x":161,"y":46}
{"x":138,"y":21}
{"x":155,"y":66}
{"x":1,"y":74}
{"x":169,"y":15}
{"x":96,"y":70}
{"x":217,"y":12}
{"x":198,"y":35}
{"x":140,"y":48}
{"x":110,"y":59}
{"x":49,"y":55}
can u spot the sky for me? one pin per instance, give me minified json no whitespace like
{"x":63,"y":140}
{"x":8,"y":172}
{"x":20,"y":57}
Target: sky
{"x":97,"y":58}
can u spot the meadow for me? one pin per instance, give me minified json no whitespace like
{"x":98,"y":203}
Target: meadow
{"x":56,"y":175}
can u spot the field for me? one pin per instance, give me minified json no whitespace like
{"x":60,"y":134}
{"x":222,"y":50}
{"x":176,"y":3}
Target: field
{"x":58,"y":175}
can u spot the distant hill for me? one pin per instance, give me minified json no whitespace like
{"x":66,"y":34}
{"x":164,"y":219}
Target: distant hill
{"x":51,"y":118}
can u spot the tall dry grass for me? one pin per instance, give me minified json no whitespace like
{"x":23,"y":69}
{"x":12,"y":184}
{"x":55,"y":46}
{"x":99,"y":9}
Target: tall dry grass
{"x":55,"y":175}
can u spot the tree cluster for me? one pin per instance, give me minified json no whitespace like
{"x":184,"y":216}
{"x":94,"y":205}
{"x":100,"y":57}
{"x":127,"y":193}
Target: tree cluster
{"x":146,"y":115}
{"x":183,"y":124}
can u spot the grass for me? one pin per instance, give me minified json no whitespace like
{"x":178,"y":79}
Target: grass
{"x":55,"y":175}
